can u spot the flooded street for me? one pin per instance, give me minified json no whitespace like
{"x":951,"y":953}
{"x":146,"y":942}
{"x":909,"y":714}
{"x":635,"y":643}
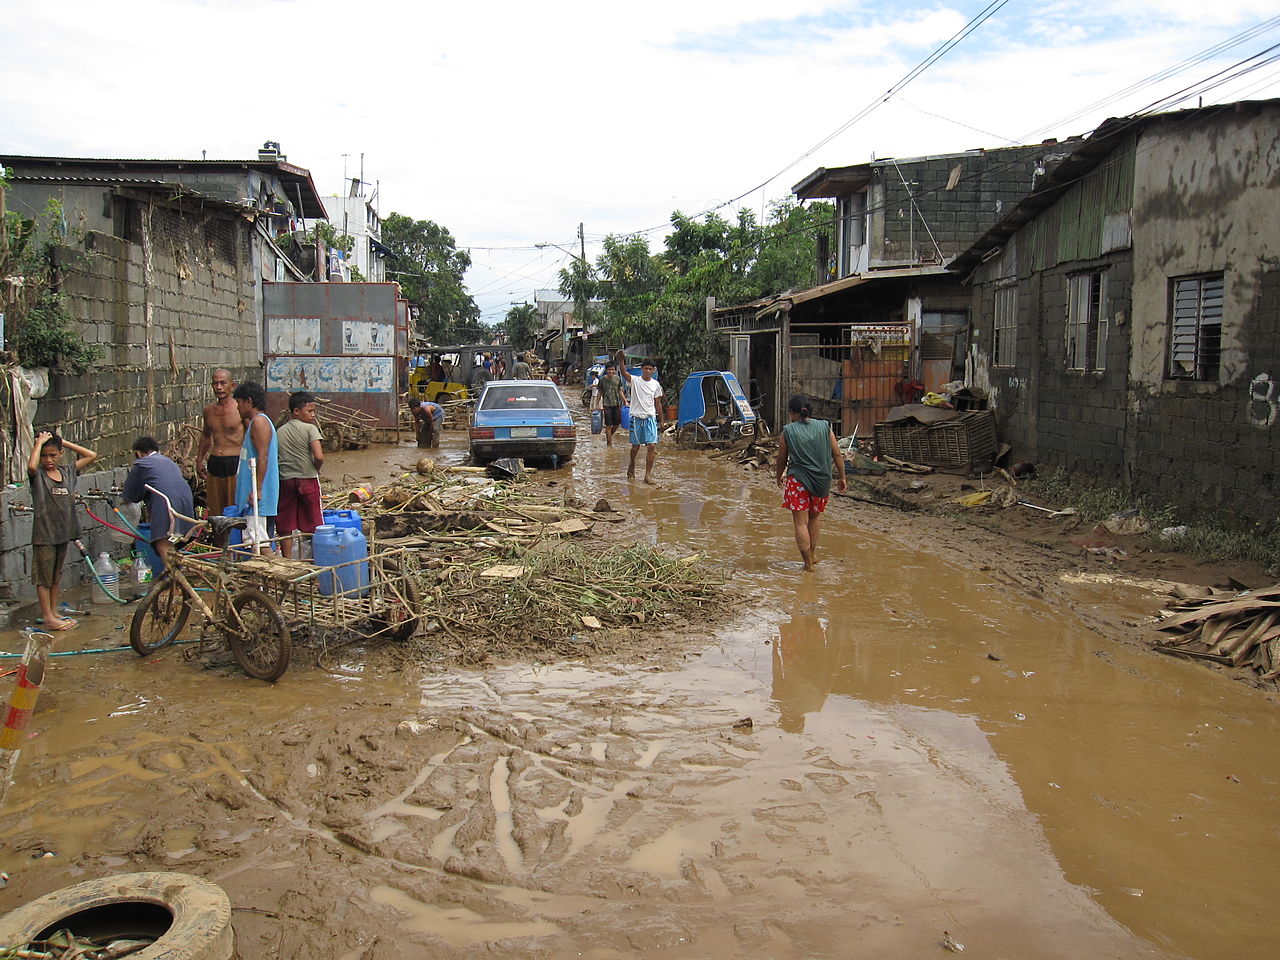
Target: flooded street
{"x":932,"y":752}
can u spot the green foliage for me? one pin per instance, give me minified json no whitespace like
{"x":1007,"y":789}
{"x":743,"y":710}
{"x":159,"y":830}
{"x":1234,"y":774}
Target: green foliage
{"x":579,"y":284}
{"x":45,"y":337}
{"x":356,"y":275}
{"x":430,"y":268}
{"x":521,"y":325}
{"x":329,"y":234}
{"x":40,"y":328}
{"x":660,"y":299}
{"x":1205,"y":540}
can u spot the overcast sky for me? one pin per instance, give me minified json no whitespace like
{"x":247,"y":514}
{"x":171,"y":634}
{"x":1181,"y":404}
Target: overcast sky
{"x":511,"y":122}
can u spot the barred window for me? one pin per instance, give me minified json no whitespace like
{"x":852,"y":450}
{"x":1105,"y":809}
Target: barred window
{"x":1086,"y":321}
{"x":1195,"y":327}
{"x":1004,"y":348}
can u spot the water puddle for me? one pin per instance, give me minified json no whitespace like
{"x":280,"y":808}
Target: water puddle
{"x":929,"y":749}
{"x":456,"y":925}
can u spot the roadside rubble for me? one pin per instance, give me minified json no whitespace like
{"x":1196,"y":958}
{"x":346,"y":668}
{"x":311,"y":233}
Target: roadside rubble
{"x":509,"y":568}
{"x":1228,"y":627}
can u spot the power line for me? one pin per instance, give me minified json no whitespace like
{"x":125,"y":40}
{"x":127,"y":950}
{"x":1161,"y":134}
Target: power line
{"x":1214,"y":81}
{"x":982,"y":17}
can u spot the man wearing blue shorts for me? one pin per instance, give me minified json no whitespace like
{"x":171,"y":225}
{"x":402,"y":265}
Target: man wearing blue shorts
{"x":646,"y":415}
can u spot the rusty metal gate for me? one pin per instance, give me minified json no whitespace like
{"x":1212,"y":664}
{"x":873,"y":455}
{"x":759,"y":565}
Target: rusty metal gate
{"x":345,"y":342}
{"x":853,"y":384}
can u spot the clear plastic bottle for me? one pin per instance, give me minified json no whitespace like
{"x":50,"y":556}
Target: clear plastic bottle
{"x":142,"y":569}
{"x":108,"y":578}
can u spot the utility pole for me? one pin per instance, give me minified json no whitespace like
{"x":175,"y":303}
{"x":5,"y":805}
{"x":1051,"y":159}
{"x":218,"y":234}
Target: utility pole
{"x":580,"y":308}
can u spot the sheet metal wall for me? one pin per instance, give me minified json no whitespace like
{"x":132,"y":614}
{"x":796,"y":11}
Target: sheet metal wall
{"x":342,"y":341}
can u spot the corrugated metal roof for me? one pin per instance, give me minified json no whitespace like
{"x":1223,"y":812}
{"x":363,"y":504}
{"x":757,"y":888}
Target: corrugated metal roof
{"x":107,"y":180}
{"x":875,"y":276}
{"x":1110,"y":135}
{"x":295,"y":176}
{"x":176,"y":191}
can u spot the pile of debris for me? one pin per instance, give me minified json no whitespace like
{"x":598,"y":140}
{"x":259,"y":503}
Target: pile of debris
{"x":1236,"y":629}
{"x":754,"y":453}
{"x":500,"y":600}
{"x":508,"y":568}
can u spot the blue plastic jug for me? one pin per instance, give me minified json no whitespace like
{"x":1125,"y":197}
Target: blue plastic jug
{"x":597,"y":421}
{"x":626,"y":417}
{"x":342,"y":518}
{"x":341,"y":545}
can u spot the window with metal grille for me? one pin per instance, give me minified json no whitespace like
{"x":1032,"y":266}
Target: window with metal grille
{"x":1004,"y":348}
{"x":1086,"y":321}
{"x":1195,"y":327}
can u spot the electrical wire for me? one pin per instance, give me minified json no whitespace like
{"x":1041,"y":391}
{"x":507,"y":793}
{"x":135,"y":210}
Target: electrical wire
{"x":990,"y":10}
{"x":1214,"y":81}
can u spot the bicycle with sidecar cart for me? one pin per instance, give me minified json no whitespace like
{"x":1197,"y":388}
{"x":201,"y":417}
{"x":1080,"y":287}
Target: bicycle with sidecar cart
{"x":259,"y":605}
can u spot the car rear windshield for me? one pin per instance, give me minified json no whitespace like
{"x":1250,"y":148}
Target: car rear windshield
{"x":522,"y":397}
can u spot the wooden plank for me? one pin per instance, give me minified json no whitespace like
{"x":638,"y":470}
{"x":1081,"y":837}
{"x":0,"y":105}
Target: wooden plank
{"x":1211,"y":611}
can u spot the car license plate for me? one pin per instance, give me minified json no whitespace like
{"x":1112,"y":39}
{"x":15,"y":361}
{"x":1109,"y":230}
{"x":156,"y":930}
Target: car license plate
{"x":521,"y":433}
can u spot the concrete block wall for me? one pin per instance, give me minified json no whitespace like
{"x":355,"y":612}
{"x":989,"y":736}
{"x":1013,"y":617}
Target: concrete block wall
{"x":989,"y":185}
{"x":1216,"y":447}
{"x":1081,"y":418}
{"x":202,"y":294}
{"x":15,"y":536}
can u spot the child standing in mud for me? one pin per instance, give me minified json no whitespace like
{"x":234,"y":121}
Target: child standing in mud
{"x":54,"y":525}
{"x":806,"y":453}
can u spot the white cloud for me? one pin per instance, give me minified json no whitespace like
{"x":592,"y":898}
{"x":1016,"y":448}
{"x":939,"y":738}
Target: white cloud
{"x":511,"y":122}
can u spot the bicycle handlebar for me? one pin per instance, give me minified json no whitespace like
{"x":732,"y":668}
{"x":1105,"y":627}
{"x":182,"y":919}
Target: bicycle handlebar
{"x":169,"y":503}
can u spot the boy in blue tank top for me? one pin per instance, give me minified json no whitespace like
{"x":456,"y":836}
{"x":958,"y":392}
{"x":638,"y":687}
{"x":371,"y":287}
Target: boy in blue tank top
{"x":264,"y":482}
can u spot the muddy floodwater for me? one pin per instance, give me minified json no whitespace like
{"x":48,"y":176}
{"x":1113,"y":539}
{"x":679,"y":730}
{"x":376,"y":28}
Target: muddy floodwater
{"x":932,"y":753}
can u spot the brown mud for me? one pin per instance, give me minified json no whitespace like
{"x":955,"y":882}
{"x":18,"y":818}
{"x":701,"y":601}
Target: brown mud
{"x":952,"y":730}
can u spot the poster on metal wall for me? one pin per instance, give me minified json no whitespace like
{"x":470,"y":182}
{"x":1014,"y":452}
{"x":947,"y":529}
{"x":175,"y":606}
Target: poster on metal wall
{"x":363,"y":336}
{"x":331,"y":374}
{"x":294,"y":335}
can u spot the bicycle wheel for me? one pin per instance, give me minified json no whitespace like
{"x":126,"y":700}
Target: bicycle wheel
{"x":259,"y":638}
{"x":160,"y":617}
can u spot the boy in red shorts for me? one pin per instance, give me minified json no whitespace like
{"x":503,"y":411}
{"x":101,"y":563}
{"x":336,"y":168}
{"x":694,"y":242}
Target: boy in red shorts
{"x":806,"y":453}
{"x":301,"y":456}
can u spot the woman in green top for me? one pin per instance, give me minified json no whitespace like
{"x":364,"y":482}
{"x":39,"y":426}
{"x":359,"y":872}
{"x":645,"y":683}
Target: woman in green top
{"x":805,"y":454}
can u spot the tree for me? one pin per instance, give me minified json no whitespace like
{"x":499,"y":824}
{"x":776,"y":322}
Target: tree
{"x":430,"y":269}
{"x":661,"y":299}
{"x":579,"y":284}
{"x":521,"y":325}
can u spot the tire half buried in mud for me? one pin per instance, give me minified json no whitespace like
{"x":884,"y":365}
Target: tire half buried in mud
{"x":189,"y":916}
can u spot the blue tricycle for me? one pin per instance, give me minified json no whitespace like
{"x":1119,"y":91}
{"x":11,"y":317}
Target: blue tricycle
{"x":713,"y":411}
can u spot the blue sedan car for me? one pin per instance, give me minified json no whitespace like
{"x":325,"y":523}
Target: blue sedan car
{"x":522,"y":418}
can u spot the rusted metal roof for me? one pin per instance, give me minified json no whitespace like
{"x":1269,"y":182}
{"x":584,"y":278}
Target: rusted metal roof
{"x":295,"y":177}
{"x":175,"y":191}
{"x":875,"y":276}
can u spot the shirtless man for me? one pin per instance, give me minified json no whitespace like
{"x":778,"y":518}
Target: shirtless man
{"x":220,"y":443}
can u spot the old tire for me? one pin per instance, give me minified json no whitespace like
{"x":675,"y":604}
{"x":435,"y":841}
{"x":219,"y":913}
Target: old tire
{"x":191,"y":916}
{"x":261,"y":646}
{"x":401,"y":619}
{"x":159,"y":618}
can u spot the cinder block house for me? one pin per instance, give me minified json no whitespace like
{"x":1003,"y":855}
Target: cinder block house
{"x":1127,"y":313}
{"x":161,"y":264}
{"x":885,"y":310}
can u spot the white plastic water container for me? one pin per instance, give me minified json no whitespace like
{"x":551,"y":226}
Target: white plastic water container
{"x":108,"y":576}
